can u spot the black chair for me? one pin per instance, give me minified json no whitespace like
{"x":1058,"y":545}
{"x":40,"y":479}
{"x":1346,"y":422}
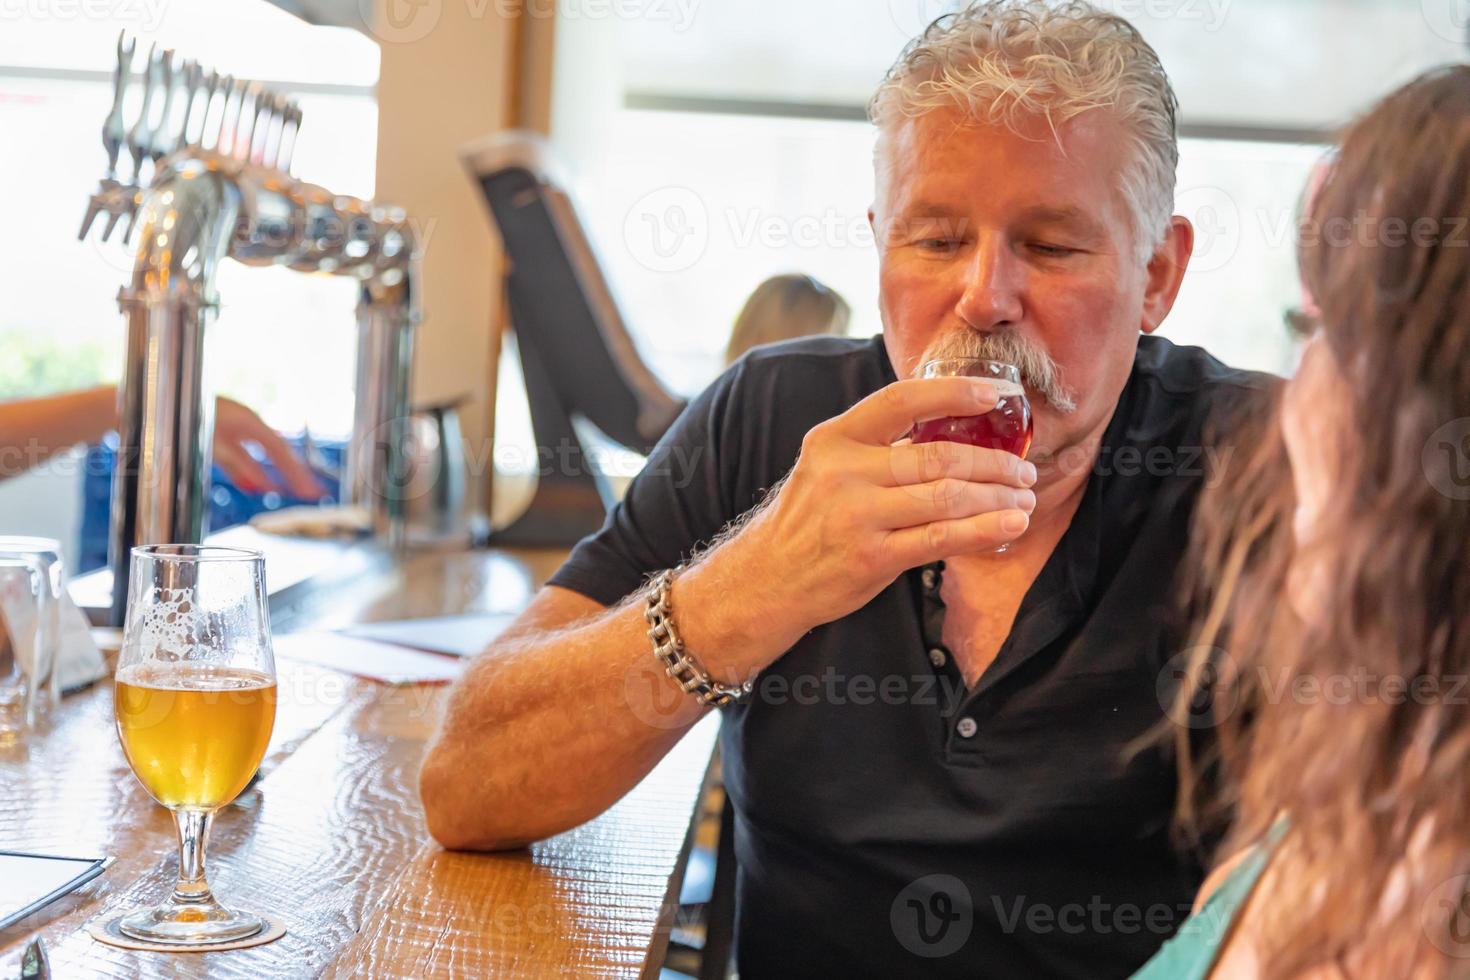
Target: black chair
{"x":578,"y":358}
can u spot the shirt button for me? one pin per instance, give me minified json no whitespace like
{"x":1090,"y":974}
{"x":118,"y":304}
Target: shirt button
{"x":928,"y":578}
{"x":937,"y":657}
{"x":967,"y":728}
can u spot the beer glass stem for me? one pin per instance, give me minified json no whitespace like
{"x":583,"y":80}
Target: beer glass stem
{"x":192,"y":887}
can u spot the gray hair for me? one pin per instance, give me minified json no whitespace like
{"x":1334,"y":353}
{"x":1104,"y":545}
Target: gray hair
{"x":1004,"y":59}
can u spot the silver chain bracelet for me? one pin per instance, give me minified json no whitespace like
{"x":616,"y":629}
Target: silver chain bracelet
{"x":678,"y":662}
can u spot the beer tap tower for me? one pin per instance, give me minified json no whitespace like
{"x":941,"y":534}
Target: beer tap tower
{"x":210,"y":179}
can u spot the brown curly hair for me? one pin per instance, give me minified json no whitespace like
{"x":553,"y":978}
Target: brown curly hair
{"x":1374,"y":784}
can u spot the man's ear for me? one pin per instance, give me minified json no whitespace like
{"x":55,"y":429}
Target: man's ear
{"x":1166,"y":272}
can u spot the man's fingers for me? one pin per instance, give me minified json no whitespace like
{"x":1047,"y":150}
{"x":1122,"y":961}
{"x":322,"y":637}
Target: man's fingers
{"x":948,"y":499}
{"x":924,"y":462}
{"x":888,"y":413}
{"x":300,"y":481}
{"x":244,"y":472}
{"x":914,"y":546}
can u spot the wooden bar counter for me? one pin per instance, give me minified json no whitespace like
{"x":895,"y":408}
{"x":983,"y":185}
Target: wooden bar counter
{"x":331,"y":839}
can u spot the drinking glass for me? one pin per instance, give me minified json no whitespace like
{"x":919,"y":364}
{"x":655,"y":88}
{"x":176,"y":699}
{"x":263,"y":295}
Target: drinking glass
{"x":1007,"y":426}
{"x":32,"y":578}
{"x":196,"y":702}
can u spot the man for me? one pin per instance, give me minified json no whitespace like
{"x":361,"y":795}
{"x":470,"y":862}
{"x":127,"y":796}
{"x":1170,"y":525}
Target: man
{"x":929,"y":776}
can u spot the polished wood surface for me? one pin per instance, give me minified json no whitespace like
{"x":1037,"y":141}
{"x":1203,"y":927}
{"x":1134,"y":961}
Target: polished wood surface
{"x":331,"y":839}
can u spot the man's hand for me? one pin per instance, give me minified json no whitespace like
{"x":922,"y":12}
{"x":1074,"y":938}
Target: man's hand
{"x":236,"y":425}
{"x":862,"y":504}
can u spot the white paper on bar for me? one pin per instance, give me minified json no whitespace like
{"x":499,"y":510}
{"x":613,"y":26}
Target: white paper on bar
{"x":30,"y":881}
{"x":384,"y":662}
{"x":78,"y":661}
{"x":462,"y":636}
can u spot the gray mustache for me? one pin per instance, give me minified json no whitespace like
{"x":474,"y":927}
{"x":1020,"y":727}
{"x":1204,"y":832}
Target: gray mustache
{"x":1040,"y":373}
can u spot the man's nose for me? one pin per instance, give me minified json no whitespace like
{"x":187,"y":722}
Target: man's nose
{"x":992,"y":296}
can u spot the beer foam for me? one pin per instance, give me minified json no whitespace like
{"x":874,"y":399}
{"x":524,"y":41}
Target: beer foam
{"x":1006,"y":388}
{"x":183,"y":624}
{"x":194,"y":677}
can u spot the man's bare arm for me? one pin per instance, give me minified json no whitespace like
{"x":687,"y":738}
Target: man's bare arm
{"x":545,"y":730}
{"x":540,"y":734}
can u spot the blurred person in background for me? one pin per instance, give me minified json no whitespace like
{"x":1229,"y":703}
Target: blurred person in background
{"x":1334,"y":658}
{"x":784,"y":308}
{"x":34,"y":429}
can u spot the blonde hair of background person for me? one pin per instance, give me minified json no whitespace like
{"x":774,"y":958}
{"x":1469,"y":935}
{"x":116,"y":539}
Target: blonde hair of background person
{"x":785,"y":307}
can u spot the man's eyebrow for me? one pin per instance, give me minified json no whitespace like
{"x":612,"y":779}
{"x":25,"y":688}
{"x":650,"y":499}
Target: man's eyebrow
{"x":928,"y":209}
{"x":1068,"y":215}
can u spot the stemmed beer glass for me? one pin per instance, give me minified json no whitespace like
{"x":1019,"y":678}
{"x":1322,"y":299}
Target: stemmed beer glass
{"x":195,"y":701}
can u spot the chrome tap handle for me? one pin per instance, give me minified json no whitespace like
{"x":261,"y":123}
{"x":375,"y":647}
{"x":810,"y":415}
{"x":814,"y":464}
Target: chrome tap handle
{"x":249,"y":106}
{"x":227,"y":90}
{"x":234,"y":89}
{"x":265,"y":119}
{"x":271,"y":143}
{"x":290,"y":127}
{"x":193,"y":81}
{"x":211,"y":85}
{"x":138,"y":135}
{"x":159,"y":139}
{"x":114,"y":129}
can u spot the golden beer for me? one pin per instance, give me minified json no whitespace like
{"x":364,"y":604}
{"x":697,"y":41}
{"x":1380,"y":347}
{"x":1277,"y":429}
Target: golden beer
{"x":194,"y":733}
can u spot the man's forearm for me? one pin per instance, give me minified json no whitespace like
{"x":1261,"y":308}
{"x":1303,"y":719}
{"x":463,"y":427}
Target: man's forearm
{"x":546,"y":731}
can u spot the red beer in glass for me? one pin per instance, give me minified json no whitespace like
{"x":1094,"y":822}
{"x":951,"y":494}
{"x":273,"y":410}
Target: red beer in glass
{"x":1006,"y":426}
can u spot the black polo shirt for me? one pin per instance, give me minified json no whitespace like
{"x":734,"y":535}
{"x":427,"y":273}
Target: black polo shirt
{"x":890,"y":822}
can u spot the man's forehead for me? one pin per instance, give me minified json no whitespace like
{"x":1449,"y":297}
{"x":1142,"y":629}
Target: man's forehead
{"x":926,"y":160}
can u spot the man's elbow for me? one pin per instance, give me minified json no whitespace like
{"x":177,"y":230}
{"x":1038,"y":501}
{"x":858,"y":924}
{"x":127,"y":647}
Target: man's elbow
{"x":455,"y":822}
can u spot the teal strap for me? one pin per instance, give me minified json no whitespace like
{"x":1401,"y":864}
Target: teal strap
{"x":1191,"y":954}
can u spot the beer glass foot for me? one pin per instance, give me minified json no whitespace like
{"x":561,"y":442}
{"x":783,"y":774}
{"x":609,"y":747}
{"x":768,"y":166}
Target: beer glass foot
{"x":182,"y":924}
